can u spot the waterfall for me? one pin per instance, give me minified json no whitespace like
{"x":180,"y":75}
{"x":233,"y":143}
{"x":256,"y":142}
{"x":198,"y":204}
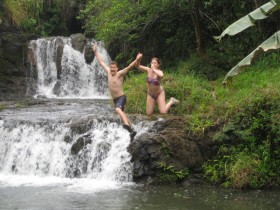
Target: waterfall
{"x":42,"y":150}
{"x":80,"y":144}
{"x":60,"y":71}
{"x":72,"y":137}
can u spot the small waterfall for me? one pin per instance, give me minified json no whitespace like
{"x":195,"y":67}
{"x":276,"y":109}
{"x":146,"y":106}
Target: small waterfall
{"x":46,"y":150}
{"x":60,"y":71}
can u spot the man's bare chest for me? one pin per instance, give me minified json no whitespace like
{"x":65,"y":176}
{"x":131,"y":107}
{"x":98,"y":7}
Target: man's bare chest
{"x":115,"y":82}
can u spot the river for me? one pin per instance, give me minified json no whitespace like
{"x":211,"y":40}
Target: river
{"x":40,"y":170}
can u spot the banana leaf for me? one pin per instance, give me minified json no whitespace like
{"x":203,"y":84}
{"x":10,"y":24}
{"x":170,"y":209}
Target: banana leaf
{"x":250,"y":19}
{"x":271,"y":43}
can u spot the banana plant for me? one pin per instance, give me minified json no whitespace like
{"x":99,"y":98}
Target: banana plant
{"x":245,"y":22}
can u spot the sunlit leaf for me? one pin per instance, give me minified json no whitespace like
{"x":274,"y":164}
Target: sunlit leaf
{"x":271,"y":43}
{"x":250,"y":19}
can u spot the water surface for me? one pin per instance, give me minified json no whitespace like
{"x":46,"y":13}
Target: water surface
{"x":62,"y":196}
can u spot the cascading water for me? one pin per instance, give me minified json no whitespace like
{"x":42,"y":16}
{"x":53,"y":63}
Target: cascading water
{"x":41,"y":144}
{"x":62,"y":71}
{"x":73,"y":136}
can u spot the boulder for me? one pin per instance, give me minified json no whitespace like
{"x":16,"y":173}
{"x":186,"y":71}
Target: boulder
{"x":169,"y":144}
{"x":78,"y":41}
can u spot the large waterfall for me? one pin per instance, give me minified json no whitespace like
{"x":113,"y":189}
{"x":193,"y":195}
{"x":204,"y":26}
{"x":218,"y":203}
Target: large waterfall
{"x":62,"y":71}
{"x":72,"y":135}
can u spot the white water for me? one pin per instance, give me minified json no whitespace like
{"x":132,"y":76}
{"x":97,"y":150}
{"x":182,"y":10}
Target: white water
{"x":69,"y":76}
{"x":37,"y":154}
{"x":36,"y":142}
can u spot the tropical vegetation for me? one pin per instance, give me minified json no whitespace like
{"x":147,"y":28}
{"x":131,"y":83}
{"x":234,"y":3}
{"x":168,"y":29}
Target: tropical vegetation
{"x":181,"y":32}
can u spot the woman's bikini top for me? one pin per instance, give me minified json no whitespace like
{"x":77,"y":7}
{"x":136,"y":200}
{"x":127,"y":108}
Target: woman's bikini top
{"x":151,"y":81}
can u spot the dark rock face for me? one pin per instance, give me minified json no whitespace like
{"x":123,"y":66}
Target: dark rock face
{"x":13,"y":61}
{"x":78,"y":41}
{"x":169,"y":144}
{"x":80,"y":143}
{"x":12,"y":66}
{"x":89,"y":56}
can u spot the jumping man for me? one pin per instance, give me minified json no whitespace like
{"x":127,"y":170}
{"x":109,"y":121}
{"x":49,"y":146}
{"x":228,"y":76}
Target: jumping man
{"x":115,"y":82}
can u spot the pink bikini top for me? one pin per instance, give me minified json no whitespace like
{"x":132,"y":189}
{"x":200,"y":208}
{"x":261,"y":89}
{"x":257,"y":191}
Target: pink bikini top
{"x":151,"y":81}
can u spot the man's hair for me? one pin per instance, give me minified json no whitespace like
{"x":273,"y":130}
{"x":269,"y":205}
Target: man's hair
{"x":114,"y":63}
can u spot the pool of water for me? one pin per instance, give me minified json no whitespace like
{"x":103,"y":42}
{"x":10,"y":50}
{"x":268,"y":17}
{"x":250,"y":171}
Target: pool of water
{"x":64,"y":196}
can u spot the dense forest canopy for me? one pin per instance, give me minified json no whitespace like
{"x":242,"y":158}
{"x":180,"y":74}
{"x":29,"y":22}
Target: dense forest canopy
{"x":174,"y":30}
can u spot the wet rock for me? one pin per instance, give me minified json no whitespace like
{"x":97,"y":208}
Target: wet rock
{"x":59,"y":53}
{"x":13,"y":68}
{"x":80,"y":144}
{"x":89,"y":55}
{"x":167,"y":143}
{"x":82,"y":124}
{"x":78,"y":41}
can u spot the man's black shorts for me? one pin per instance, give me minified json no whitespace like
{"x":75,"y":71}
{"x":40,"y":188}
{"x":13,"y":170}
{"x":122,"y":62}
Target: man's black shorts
{"x":120,"y":102}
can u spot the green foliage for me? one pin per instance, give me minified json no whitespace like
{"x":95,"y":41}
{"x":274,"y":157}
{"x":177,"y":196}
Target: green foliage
{"x":22,"y":10}
{"x":42,"y":17}
{"x":250,"y":153}
{"x":2,"y":106}
{"x":260,"y":13}
{"x":153,"y":27}
{"x":203,"y":69}
{"x":169,"y":175}
{"x":198,"y":125}
{"x":135,"y":89}
{"x":165,"y":29}
{"x":29,"y":24}
{"x":165,"y":150}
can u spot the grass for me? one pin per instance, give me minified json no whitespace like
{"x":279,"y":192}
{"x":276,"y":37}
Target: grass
{"x":209,"y":99}
{"x":206,"y":103}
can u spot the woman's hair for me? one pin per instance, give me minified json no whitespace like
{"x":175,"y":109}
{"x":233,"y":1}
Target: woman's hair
{"x":157,"y":59}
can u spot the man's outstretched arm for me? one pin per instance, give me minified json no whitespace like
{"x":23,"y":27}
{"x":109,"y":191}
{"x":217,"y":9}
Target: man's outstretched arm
{"x":139,"y":66}
{"x":100,"y":60}
{"x":132,"y":64}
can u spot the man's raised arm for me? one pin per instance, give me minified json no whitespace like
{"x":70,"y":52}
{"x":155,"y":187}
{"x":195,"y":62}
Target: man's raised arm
{"x":100,"y":60}
{"x":132,"y":64}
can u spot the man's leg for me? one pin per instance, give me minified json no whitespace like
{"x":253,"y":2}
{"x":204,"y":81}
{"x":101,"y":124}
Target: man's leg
{"x":127,"y":124}
{"x":123,"y":116}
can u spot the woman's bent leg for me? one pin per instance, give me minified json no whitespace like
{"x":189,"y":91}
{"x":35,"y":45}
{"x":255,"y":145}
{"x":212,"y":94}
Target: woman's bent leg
{"x":161,"y":103}
{"x":150,"y":105}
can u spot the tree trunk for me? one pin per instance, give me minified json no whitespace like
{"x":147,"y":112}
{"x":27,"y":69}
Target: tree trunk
{"x":198,"y":32}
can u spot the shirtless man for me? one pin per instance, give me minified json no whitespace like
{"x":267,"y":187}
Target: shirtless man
{"x":115,"y":82}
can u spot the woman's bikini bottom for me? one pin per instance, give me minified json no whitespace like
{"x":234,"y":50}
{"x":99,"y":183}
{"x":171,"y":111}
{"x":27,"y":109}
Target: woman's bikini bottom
{"x":155,"y":96}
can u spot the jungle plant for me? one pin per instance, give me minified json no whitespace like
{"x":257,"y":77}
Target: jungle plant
{"x":169,"y":173}
{"x":250,"y":146}
{"x":39,"y":16}
{"x":247,"y":21}
{"x":20,"y":11}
